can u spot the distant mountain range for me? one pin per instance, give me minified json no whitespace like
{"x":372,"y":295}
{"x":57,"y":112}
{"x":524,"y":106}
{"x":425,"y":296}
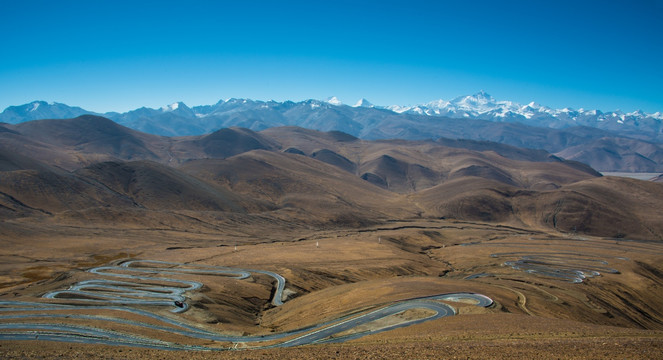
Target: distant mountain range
{"x":480,"y":106}
{"x":610,"y":141}
{"x":485,"y":107}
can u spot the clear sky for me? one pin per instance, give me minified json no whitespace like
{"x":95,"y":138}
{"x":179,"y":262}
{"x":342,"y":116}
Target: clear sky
{"x":120,"y":55}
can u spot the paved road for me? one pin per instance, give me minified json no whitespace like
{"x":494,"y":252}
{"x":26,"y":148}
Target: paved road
{"x":325,"y":333}
{"x":163,"y":291}
{"x":572,"y":267}
{"x":140,"y":293}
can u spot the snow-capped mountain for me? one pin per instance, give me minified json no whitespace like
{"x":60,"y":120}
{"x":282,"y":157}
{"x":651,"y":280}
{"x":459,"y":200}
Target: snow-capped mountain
{"x":38,"y":110}
{"x":463,"y":106}
{"x":363,"y":103}
{"x":178,"y":119}
{"x":611,"y":141}
{"x":483,"y":106}
{"x":334,"y":101}
{"x":179,"y":108}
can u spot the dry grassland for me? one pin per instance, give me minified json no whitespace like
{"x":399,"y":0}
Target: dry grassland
{"x":332,"y":273}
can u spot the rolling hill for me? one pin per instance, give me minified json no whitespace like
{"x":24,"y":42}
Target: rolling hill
{"x":320,"y":178}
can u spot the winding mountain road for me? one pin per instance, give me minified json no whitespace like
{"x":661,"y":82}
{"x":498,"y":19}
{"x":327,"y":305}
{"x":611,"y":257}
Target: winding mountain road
{"x":46,"y":321}
{"x":572,"y":267}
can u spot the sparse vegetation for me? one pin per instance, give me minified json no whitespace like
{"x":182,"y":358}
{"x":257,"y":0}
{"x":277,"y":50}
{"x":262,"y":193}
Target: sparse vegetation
{"x":345,"y":244}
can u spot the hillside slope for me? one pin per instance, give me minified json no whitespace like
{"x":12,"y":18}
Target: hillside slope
{"x":308,"y":177}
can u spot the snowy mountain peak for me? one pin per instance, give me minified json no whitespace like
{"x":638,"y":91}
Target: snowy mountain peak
{"x":173,"y":106}
{"x":483,"y":106}
{"x":363,"y":103}
{"x":480,"y":98}
{"x":483,"y":95}
{"x":37,"y":110}
{"x":35,"y":105}
{"x":438,"y":104}
{"x":398,"y":109}
{"x":334,"y":101}
{"x":480,"y":106}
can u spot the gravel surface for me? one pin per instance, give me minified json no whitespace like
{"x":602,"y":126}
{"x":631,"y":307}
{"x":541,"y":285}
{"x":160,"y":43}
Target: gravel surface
{"x":579,"y":348}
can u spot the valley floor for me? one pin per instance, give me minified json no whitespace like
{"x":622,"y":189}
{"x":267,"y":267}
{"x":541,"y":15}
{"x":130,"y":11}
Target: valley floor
{"x":526,"y":344}
{"x":556,"y":295}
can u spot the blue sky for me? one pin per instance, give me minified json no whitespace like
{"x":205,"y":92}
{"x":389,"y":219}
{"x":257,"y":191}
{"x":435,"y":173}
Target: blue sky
{"x":119,"y":55}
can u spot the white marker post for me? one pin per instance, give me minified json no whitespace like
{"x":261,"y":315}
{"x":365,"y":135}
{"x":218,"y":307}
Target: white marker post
{"x":317,"y":244}
{"x":379,"y":239}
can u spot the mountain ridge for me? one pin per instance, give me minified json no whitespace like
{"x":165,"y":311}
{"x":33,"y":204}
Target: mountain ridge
{"x":480,"y":106}
{"x":575,"y":135}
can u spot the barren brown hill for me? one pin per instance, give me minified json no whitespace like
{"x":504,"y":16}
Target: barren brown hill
{"x":159,"y":187}
{"x":319,"y":175}
{"x":14,"y":143}
{"x":224,"y":143}
{"x":30,"y":188}
{"x":12,"y":161}
{"x":88,"y":139}
{"x":89,"y":134}
{"x":607,"y":206}
{"x":608,"y":154}
{"x":470,"y":198}
{"x":309,"y":141}
{"x":335,"y":159}
{"x":44,"y":191}
{"x":508,"y":151}
{"x":296,"y":182}
{"x":410,"y":166}
{"x":399,"y":175}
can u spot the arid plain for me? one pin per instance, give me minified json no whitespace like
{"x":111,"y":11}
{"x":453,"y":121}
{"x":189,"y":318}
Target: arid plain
{"x":571,"y":260}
